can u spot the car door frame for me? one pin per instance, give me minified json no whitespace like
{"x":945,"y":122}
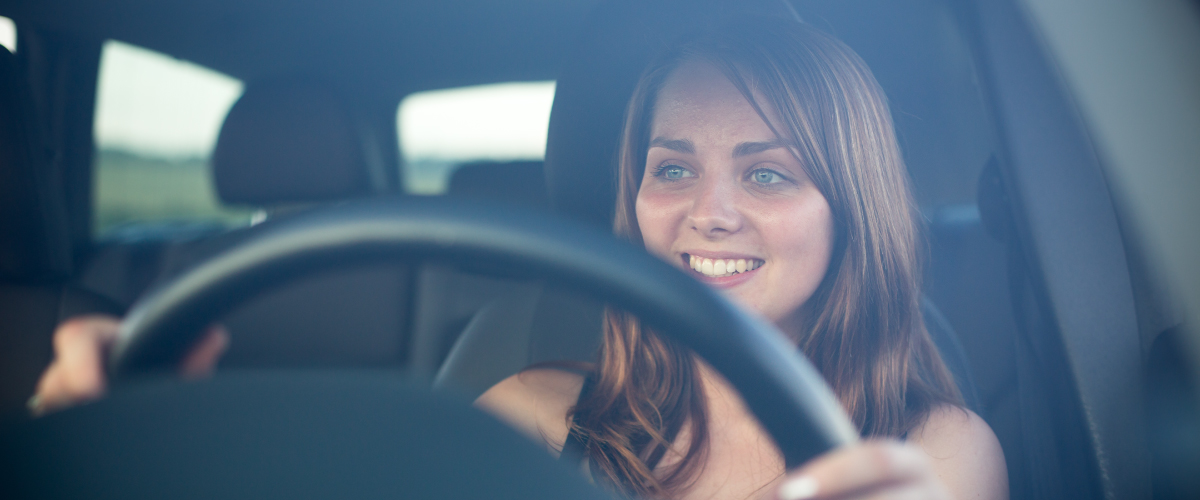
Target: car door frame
{"x":1079,"y":354}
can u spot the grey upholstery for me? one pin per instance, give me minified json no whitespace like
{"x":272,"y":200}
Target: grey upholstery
{"x":521,"y":183}
{"x":452,"y":302}
{"x":290,"y":141}
{"x":494,"y":345}
{"x":542,"y":325}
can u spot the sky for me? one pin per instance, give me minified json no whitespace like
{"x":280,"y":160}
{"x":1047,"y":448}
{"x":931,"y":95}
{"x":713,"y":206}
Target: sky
{"x":157,"y":105}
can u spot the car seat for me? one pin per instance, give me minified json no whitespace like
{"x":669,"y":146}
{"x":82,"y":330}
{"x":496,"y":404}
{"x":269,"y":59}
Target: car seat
{"x":520,"y":183}
{"x":287,"y":144}
{"x":472,"y":330}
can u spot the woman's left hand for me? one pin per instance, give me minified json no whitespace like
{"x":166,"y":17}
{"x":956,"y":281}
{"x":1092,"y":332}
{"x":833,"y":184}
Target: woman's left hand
{"x":883,"y":469}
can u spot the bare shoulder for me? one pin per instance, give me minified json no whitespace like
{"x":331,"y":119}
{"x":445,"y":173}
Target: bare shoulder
{"x":965,"y":453}
{"x":535,"y":402}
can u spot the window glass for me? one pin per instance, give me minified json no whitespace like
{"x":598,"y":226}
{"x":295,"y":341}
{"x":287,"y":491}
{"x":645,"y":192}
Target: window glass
{"x":442,"y":129}
{"x":8,"y":34}
{"x":157,"y":120}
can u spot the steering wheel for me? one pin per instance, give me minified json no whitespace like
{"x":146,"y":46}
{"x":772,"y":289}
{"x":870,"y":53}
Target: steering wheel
{"x":789,"y":397}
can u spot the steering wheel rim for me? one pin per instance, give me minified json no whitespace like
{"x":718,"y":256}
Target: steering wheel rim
{"x":782,"y":389}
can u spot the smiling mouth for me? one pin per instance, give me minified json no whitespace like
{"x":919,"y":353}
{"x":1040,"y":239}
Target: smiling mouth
{"x":716,"y":268}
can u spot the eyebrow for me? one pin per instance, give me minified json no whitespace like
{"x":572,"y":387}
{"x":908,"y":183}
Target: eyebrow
{"x":680,"y":145}
{"x":749,"y":148}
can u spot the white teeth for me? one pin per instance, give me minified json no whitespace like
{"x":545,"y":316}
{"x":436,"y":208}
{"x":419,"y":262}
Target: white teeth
{"x":722,"y":267}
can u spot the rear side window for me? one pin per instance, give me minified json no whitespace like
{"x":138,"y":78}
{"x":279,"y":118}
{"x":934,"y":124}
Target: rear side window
{"x":157,"y":120}
{"x":443,"y":129}
{"x":8,"y":34}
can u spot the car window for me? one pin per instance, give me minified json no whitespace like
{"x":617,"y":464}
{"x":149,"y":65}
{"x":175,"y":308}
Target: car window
{"x":8,"y":34}
{"x":442,"y":129}
{"x":156,"y":124}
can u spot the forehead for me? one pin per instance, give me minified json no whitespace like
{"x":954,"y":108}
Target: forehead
{"x":698,"y":99}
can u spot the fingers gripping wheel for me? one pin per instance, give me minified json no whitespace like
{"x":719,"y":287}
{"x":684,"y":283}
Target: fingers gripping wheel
{"x":783,"y":390}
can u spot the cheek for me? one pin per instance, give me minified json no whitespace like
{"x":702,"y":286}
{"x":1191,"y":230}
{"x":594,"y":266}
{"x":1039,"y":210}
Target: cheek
{"x":820,"y":234}
{"x":823,"y":247}
{"x":805,"y":241}
{"x":813,"y":239}
{"x":653,"y":218}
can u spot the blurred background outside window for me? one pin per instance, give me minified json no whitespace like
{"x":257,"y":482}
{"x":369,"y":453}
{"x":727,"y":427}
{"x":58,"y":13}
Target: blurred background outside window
{"x":156,"y":124}
{"x":8,"y":34}
{"x":442,"y":129}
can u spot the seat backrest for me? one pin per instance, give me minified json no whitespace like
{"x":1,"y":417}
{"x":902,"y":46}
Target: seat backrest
{"x":453,"y":302}
{"x":520,"y":183}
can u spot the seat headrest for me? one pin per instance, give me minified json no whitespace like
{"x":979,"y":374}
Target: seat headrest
{"x":34,"y":234}
{"x":520,"y":183}
{"x":597,"y":82}
{"x":292,"y":141}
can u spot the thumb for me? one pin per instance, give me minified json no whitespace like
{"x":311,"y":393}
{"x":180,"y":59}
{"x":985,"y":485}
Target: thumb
{"x":205,"y":354}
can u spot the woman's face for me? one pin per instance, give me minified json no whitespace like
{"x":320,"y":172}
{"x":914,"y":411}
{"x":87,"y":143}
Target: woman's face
{"x":725,"y":199}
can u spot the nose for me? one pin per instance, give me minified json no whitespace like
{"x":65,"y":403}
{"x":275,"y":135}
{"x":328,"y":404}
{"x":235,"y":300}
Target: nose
{"x":714,"y":212}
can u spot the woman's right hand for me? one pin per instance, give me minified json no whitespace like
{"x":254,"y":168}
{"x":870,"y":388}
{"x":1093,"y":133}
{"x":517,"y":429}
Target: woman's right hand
{"x":81,"y":344}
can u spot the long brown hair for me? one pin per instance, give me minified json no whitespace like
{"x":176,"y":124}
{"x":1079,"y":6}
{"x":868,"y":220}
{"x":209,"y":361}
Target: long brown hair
{"x":862,"y":328}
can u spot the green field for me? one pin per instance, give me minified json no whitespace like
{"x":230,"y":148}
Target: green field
{"x":130,"y":188}
{"x":133,"y":189}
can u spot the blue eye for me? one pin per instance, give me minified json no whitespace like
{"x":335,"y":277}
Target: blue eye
{"x":672,"y":172}
{"x":764,"y":176}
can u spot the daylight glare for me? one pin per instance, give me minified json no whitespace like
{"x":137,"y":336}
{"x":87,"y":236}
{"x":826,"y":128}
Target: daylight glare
{"x":498,"y":122}
{"x":153,"y":104}
{"x":8,"y":34}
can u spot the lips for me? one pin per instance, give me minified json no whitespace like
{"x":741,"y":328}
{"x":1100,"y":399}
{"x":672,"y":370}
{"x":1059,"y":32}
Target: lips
{"x":717,"y":268}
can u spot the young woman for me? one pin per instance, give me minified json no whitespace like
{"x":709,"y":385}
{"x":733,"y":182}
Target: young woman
{"x":760,"y":158}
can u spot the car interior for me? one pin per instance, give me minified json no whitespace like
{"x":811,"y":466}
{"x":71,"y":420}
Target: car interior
{"x":1053,"y":362}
